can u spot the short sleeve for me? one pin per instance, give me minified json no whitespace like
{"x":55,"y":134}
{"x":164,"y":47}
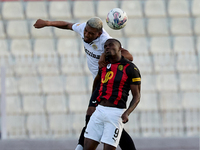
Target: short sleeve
{"x":79,"y":28}
{"x":134,"y":75}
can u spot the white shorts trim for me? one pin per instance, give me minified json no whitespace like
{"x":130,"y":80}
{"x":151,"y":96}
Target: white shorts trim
{"x":105,"y":125}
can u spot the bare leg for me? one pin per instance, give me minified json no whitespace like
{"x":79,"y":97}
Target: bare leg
{"x":90,"y":144}
{"x":109,"y":147}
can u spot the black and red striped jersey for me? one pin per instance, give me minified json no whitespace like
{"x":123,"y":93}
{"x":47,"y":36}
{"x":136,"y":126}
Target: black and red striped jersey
{"x":116,"y":79}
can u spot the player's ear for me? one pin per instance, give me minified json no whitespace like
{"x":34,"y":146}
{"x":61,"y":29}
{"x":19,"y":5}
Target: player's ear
{"x":120,"y":48}
{"x":99,"y":33}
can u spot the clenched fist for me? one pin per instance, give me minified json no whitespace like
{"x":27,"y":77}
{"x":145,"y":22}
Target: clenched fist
{"x":40,"y":23}
{"x":102,"y":61}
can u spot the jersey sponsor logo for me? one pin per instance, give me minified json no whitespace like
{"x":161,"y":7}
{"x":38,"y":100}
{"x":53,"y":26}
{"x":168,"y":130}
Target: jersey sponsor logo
{"x":120,"y":67}
{"x":94,"y":46}
{"x":135,"y":68}
{"x":108,"y":76}
{"x":108,"y":66}
{"x":92,"y":54}
{"x":78,"y":25}
{"x":136,"y":79}
{"x":94,"y":101}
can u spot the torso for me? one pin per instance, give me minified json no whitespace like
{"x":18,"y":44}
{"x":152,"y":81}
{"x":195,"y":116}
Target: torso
{"x":115,"y":84}
{"x":94,"y":49}
{"x":105,"y":102}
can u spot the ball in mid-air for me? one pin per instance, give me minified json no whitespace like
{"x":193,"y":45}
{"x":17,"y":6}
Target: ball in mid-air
{"x":116,"y":19}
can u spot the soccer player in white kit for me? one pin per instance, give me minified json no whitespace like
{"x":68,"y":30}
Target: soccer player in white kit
{"x":94,"y":37}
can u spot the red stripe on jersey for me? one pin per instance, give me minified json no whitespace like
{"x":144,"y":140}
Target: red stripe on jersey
{"x":123,"y":80}
{"x":111,"y":81}
{"x":103,"y":74}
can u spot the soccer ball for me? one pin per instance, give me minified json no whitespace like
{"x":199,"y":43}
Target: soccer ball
{"x":116,"y":19}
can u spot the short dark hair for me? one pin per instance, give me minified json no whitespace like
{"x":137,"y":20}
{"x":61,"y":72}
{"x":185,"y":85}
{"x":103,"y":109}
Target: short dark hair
{"x":113,"y":39}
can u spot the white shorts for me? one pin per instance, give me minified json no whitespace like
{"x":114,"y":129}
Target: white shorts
{"x":105,"y":125}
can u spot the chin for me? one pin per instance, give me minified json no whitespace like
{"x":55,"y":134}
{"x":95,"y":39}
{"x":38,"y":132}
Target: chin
{"x":107,"y":55}
{"x":87,"y":41}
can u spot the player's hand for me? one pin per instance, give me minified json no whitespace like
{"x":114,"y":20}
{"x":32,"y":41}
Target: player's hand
{"x":124,"y":117}
{"x":40,"y":23}
{"x":102,"y":61}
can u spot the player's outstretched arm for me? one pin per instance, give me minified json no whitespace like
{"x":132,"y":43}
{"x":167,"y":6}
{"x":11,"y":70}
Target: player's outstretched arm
{"x":102,"y":61}
{"x":59,"y":24}
{"x":135,"y":90}
{"x":126,"y":54}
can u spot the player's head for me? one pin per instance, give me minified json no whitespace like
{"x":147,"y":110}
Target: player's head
{"x":112,"y":48}
{"x":93,"y":29}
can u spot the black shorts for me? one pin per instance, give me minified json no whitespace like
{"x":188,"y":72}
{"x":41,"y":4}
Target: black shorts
{"x":93,"y":99}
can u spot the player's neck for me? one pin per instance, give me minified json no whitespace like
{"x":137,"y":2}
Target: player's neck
{"x":115,"y":59}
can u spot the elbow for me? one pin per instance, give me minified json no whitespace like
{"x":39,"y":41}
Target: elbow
{"x":138,"y":101}
{"x":131,"y":58}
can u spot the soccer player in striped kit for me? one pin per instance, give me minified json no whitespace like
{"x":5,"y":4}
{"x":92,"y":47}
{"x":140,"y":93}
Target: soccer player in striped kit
{"x":116,"y":80}
{"x":94,"y":37}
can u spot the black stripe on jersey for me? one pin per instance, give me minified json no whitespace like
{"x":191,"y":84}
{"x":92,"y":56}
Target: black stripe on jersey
{"x":125,"y":96}
{"x":116,"y":84}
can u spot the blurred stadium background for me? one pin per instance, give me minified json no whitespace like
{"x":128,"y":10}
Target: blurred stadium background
{"x":48,"y":85}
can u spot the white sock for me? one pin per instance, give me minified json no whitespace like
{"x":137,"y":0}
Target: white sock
{"x":79,"y":147}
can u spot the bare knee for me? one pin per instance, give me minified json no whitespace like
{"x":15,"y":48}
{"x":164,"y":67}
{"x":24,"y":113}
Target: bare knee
{"x":109,"y":147}
{"x":90,"y":110}
{"x":90,"y":144}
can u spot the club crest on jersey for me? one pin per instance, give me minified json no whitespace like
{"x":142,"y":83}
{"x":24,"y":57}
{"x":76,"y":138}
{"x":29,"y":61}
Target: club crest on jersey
{"x":108,"y":66}
{"x":120,"y":67}
{"x":94,"y":46}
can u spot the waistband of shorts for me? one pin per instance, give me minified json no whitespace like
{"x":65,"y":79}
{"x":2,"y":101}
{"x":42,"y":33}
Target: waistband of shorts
{"x":110,"y":108}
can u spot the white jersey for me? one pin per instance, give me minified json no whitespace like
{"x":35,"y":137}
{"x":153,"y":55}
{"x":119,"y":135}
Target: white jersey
{"x":94,"y":49}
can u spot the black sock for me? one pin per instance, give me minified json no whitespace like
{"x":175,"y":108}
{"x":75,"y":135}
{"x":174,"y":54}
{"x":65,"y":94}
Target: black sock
{"x":81,"y":138}
{"x":126,"y":142}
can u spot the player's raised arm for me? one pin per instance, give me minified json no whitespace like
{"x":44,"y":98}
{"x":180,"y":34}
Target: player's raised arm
{"x":103,"y":62}
{"x":59,"y":24}
{"x":126,"y":54}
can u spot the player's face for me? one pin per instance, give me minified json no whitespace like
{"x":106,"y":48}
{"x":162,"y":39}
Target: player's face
{"x":111,"y":48}
{"x":90,"y":34}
